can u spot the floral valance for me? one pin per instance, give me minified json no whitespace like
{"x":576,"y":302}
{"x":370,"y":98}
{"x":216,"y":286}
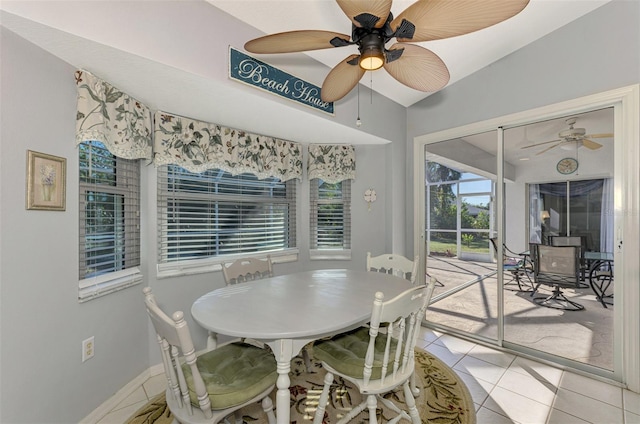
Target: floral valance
{"x":198,"y":146}
{"x":332,"y":162}
{"x":106,"y":114}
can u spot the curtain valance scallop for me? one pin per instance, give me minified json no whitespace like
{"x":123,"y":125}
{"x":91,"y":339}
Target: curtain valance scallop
{"x":124,"y":125}
{"x":331,"y":162}
{"x":198,"y":146}
{"x":106,"y":114}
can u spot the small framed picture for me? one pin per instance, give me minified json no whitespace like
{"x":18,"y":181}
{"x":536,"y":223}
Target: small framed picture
{"x":46,"y":181}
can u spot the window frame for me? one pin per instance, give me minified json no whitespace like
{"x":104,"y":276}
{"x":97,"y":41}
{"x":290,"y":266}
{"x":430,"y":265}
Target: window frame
{"x":120,"y":278}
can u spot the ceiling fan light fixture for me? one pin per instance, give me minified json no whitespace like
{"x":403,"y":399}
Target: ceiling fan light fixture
{"x":371,"y":59}
{"x":371,"y":52}
{"x":571,"y":145}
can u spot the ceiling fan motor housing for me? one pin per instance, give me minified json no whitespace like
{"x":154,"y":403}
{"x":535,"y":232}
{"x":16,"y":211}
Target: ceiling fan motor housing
{"x":573,"y":133}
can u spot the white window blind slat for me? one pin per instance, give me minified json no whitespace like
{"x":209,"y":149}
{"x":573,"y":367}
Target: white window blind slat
{"x":214,"y":214}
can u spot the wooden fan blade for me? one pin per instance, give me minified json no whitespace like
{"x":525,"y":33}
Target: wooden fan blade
{"x":417,"y":67}
{"x":548,"y":148}
{"x":590,"y":144}
{"x":437,"y":19}
{"x":296,"y":41}
{"x":603,"y":135}
{"x":363,"y":13}
{"x":540,"y":144}
{"x":342,"y":78}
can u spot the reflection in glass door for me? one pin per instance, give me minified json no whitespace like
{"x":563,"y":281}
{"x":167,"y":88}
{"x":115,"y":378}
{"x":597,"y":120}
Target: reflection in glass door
{"x":542,"y":201}
{"x":459,"y":193}
{"x":566,"y":186}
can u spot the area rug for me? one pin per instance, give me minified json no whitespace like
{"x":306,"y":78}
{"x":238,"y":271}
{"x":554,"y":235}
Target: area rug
{"x":443,"y":399}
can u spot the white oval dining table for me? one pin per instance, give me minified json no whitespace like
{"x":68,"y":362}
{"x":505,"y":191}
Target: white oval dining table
{"x":288,"y":311}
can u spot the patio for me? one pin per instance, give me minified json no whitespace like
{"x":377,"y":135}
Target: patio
{"x":584,"y":336}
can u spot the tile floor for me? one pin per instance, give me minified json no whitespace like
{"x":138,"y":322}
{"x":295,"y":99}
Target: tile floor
{"x":505,"y":388}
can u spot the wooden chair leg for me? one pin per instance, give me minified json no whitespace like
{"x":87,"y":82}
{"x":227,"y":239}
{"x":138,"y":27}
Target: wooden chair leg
{"x":307,"y":359}
{"x":411,"y":404}
{"x":414,"y":388}
{"x":323,"y":400}
{"x":267,"y":407}
{"x":372,"y":405}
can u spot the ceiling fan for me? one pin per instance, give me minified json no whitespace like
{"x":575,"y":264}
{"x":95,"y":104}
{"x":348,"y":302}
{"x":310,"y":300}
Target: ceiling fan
{"x":572,"y":138}
{"x":373,"y":26}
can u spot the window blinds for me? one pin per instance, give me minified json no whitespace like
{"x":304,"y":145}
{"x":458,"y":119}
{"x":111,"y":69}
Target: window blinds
{"x":330,"y":215}
{"x":215,"y":213}
{"x":109,"y":211}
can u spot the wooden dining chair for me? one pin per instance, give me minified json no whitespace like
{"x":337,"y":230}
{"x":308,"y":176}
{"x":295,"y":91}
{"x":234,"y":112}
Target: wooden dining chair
{"x":208,"y":387}
{"x":251,"y":269}
{"x":247,"y":269}
{"x":377,"y":362}
{"x":397,"y":265}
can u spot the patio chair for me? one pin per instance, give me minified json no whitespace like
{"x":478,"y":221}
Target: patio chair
{"x":208,"y":387}
{"x":377,"y":362}
{"x":517,"y":265}
{"x":557,"y":266}
{"x":577,"y":241}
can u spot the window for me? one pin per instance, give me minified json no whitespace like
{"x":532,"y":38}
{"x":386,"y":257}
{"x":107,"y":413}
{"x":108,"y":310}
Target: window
{"x":330,"y":218}
{"x":109,"y":221}
{"x":215,"y":214}
{"x":572,"y":208}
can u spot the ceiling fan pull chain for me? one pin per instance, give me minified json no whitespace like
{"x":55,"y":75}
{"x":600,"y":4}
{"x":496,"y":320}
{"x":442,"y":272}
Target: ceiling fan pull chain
{"x":371,"y":86}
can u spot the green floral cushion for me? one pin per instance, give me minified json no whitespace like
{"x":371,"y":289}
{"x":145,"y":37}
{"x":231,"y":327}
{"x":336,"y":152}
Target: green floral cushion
{"x":345,"y":352}
{"x":233,"y":374}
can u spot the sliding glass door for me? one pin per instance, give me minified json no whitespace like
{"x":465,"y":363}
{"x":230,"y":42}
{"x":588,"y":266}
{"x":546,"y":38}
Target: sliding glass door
{"x":490,"y":197}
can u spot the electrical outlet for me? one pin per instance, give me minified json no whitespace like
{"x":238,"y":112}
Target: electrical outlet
{"x":88,"y":348}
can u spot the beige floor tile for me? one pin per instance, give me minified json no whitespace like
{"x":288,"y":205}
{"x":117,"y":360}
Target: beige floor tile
{"x":120,"y":416}
{"x":587,"y":408}
{"x":502,"y":359}
{"x":528,"y":386}
{"x":487,"y":416}
{"x":444,"y":354}
{"x":631,"y":401}
{"x":155,"y":385}
{"x":480,"y":369}
{"x":537,"y":370}
{"x":558,"y":417}
{"x":631,"y":418}
{"x":137,"y":396}
{"x":592,"y":388}
{"x":478,"y":388}
{"x":455,"y":344}
{"x":517,"y":407}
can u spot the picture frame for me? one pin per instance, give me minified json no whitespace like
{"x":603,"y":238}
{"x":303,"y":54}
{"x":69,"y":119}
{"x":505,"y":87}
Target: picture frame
{"x":46,"y":181}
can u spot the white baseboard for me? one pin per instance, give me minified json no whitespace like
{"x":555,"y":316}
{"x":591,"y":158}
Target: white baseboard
{"x":122,"y":394}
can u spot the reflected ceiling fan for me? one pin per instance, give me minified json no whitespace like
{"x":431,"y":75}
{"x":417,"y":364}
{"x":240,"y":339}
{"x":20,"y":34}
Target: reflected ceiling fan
{"x":373,"y":26}
{"x":572,"y":138}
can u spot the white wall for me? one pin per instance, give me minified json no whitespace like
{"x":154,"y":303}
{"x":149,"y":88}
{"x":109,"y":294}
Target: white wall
{"x":42,"y":323}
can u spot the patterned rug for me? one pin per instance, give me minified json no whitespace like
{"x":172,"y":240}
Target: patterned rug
{"x":444,"y":399}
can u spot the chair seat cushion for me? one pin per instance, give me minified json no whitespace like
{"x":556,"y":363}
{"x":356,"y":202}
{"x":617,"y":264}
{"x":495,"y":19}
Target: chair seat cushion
{"x":233,"y":374}
{"x":345,"y":353}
